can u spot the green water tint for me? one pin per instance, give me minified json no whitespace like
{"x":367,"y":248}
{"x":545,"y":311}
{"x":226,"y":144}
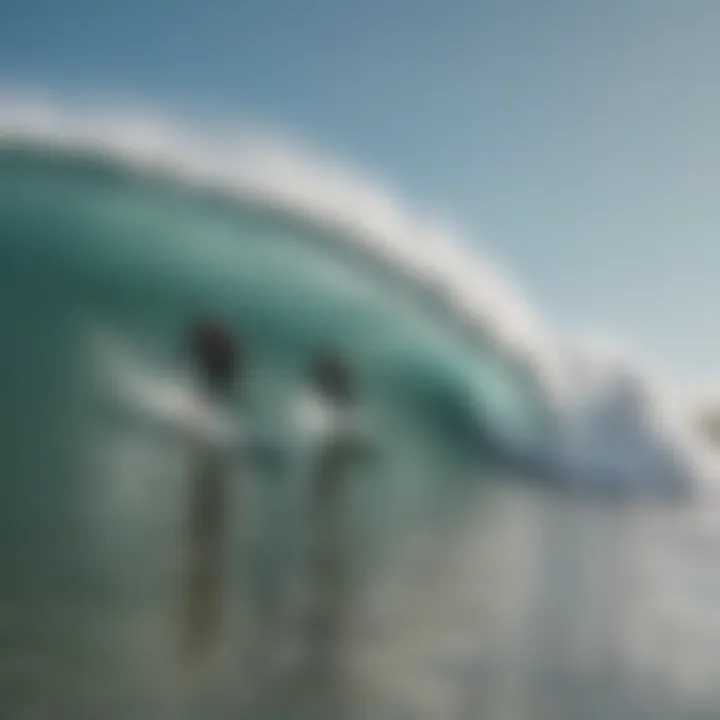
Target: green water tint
{"x":290,"y":284}
{"x":423,"y":585}
{"x":93,"y":506}
{"x":93,"y":519}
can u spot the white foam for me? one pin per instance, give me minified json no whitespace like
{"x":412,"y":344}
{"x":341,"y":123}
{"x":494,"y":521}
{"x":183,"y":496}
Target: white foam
{"x":139,"y":390}
{"x":269,"y":168}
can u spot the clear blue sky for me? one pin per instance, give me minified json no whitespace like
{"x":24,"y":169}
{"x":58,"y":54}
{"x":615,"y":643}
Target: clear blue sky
{"x":578,"y":139}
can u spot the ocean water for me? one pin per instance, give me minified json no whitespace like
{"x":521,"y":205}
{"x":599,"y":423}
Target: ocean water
{"x":437,"y":581}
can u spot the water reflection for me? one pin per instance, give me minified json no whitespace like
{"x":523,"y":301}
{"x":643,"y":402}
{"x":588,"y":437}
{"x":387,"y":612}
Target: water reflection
{"x":415,"y":586}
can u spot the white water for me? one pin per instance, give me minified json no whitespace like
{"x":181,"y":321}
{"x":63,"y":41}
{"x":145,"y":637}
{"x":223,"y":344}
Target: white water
{"x":652,"y":443}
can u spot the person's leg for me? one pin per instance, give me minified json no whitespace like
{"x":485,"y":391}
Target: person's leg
{"x":206,"y":535}
{"x":216,"y":359}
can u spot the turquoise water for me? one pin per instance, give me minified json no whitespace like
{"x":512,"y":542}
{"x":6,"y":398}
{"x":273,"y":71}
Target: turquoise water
{"x":434,"y":586}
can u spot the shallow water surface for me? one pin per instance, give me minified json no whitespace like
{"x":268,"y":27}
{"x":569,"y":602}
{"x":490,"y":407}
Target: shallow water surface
{"x":424,"y":582}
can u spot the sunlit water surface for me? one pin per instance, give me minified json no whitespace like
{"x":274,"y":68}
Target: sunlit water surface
{"x":430,"y":584}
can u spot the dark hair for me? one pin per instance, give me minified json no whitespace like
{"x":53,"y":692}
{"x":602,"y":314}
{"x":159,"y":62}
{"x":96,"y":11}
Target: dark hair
{"x":216,"y":355}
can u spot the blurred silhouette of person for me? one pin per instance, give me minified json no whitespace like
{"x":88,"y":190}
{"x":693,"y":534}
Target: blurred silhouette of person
{"x":330,"y":547}
{"x":219,"y":363}
{"x":332,"y":379}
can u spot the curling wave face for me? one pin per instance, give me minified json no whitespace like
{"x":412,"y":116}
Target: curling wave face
{"x":300,"y":254}
{"x":114,"y":235}
{"x":286,"y":281}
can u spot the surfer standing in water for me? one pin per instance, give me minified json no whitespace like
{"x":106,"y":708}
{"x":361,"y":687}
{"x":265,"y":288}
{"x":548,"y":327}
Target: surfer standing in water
{"x":218,"y":363}
{"x":332,"y":380}
{"x":330,"y":549}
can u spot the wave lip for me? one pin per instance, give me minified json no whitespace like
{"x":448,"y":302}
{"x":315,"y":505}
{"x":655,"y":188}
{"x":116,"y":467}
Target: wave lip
{"x":622,"y":433}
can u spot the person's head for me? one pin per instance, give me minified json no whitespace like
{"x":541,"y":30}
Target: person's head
{"x":216,"y":355}
{"x":332,"y":377}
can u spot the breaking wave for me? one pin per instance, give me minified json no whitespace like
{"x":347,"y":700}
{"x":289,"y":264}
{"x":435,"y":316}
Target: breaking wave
{"x":303,"y":252}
